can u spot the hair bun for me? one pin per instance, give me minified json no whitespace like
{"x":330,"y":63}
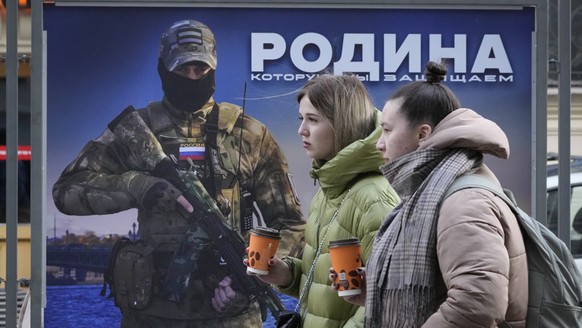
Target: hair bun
{"x":435,"y":73}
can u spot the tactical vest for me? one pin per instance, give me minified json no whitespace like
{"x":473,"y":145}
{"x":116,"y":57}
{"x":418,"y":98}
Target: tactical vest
{"x":222,"y":183}
{"x":166,"y":238}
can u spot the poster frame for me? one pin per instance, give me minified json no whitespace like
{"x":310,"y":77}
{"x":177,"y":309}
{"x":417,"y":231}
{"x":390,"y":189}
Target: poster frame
{"x":38,"y":94}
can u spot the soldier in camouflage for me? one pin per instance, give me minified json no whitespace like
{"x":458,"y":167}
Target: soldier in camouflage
{"x":236,"y":158}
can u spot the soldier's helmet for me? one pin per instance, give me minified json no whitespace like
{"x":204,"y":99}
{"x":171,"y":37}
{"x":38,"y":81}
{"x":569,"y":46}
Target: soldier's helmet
{"x":186,"y":41}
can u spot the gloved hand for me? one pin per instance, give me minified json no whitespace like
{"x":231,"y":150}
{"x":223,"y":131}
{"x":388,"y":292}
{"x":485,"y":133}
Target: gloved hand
{"x":223,"y":295}
{"x":156,"y":194}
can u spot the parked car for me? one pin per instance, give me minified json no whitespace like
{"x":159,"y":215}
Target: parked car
{"x":575,"y":203}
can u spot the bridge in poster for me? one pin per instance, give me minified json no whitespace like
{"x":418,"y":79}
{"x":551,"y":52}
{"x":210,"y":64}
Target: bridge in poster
{"x":79,"y":257}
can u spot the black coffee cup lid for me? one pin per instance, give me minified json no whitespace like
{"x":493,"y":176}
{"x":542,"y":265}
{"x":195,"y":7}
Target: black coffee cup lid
{"x":344,"y":242}
{"x":266,"y":231}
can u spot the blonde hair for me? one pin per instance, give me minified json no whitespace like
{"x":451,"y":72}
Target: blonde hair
{"x":345,"y":102}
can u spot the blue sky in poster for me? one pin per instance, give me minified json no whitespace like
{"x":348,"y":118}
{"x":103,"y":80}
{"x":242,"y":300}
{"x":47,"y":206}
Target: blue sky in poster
{"x":102,"y":59}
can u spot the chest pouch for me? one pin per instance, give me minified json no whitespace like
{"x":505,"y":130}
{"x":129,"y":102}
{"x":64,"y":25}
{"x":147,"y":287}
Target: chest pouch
{"x":133,"y":278}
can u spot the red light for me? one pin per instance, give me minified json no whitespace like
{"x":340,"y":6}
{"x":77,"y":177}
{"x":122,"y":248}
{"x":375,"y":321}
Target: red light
{"x":23,"y":153}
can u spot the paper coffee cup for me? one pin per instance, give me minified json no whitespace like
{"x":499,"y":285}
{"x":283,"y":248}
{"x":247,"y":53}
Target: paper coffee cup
{"x":345,"y":259}
{"x":263,"y":244}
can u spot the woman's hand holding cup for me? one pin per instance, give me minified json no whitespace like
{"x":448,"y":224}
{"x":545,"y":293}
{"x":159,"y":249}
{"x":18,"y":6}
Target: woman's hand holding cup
{"x":279,"y":273}
{"x":359,"y":299}
{"x":261,"y":261}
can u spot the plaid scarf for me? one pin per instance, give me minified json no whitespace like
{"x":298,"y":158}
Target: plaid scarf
{"x":403,"y":274}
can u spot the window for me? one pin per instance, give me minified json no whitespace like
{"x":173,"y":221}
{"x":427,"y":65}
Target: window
{"x":575,"y":213}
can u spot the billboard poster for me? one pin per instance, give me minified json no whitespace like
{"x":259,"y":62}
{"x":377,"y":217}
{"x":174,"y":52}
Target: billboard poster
{"x":102,"y":59}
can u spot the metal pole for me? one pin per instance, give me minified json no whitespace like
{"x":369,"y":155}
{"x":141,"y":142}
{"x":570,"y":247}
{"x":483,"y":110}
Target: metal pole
{"x":11,"y":161}
{"x":564,"y":87}
{"x":38,"y":166}
{"x":539,"y":99}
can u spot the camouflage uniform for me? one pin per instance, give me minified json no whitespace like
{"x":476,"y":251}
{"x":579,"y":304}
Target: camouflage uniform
{"x":104,"y":178}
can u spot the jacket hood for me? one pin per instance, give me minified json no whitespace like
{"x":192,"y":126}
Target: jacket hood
{"x":464,"y":128}
{"x":359,"y":157}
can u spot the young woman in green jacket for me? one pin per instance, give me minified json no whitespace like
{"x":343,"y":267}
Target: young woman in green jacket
{"x":339,"y":128}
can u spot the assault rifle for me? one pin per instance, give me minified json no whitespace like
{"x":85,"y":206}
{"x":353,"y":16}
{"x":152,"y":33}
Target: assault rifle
{"x":229,"y":243}
{"x":133,"y":132}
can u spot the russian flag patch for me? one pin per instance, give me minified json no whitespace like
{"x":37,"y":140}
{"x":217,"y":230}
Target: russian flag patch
{"x":195,"y":153}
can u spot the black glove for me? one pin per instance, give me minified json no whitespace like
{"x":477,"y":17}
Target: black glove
{"x":154,"y":194}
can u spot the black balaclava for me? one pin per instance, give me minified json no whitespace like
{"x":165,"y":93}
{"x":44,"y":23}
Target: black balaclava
{"x":186,"y":94}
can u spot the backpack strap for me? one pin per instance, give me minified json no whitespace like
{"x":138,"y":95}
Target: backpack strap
{"x":531,"y":226}
{"x":214,"y":169}
{"x":477,"y":181}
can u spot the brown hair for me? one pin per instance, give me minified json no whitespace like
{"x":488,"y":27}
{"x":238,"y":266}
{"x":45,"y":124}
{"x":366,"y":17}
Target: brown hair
{"x":345,"y":102}
{"x":427,"y":101}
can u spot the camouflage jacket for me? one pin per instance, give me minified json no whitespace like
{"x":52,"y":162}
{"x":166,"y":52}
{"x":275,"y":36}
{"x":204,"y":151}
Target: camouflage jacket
{"x":96,"y":182}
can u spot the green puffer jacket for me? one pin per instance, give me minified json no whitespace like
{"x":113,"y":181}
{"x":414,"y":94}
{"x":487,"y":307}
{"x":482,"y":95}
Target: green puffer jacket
{"x":354,"y":174}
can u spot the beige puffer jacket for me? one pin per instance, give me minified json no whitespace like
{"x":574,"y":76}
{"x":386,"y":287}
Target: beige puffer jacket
{"x":480,"y":247}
